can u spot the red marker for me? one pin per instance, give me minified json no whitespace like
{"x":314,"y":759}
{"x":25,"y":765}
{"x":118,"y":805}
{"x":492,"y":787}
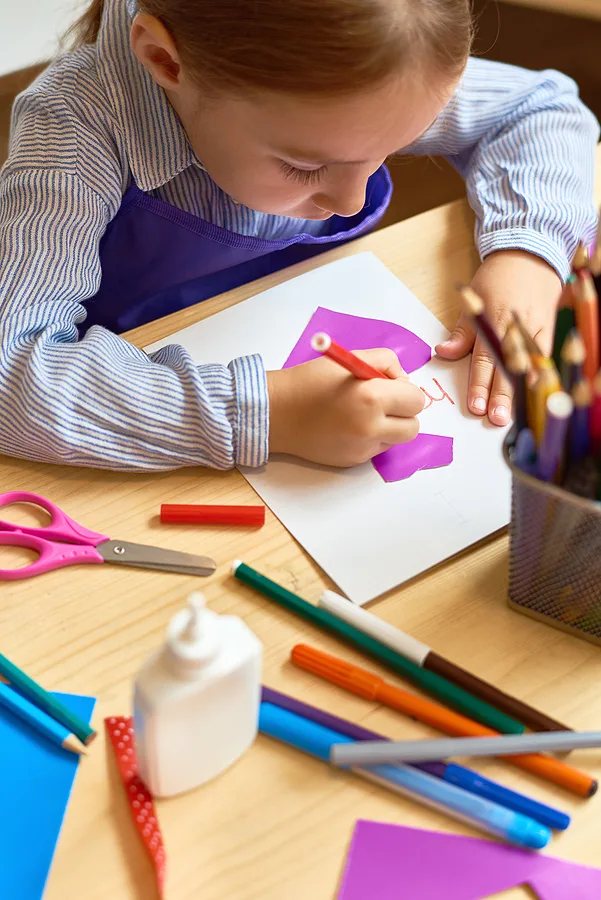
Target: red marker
{"x":324,"y":344}
{"x":185,"y":514}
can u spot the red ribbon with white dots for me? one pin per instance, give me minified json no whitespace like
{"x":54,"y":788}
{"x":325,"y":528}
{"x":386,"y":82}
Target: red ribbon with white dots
{"x":120,"y":730}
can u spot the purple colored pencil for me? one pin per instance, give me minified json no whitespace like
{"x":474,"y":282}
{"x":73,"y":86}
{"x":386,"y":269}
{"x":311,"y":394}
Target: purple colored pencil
{"x":560,"y":407}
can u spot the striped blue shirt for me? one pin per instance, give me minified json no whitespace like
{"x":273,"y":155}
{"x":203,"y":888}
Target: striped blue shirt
{"x":94,"y":121}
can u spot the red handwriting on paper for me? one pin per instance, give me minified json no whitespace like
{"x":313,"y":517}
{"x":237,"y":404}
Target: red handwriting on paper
{"x":443,"y":395}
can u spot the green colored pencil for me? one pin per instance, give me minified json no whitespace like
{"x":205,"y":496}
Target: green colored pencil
{"x":428,"y":681}
{"x":45,"y":701}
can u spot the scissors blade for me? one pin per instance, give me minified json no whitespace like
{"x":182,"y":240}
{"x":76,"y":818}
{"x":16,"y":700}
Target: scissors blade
{"x":142,"y":556}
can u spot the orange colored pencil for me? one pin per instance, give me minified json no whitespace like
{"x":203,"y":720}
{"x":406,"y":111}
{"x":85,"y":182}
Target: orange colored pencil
{"x":363,"y":683}
{"x":586,"y":308}
{"x":324,"y":344}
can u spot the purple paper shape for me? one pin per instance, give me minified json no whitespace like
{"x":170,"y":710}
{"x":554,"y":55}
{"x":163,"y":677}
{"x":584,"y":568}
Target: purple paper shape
{"x":426,"y":451}
{"x":359,"y":333}
{"x":393,"y":861}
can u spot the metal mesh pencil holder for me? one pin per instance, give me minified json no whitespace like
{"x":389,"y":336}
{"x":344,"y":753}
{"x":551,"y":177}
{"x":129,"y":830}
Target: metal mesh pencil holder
{"x":554,"y":555}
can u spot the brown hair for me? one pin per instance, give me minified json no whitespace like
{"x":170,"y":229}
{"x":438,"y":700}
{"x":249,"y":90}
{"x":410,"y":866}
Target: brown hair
{"x":306,"y":46}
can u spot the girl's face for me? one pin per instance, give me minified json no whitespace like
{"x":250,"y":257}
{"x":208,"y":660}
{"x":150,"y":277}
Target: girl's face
{"x":306,"y":158}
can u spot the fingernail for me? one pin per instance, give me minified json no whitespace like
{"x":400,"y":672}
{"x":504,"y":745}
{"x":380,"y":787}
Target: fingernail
{"x":445,"y":343}
{"x":479,"y":404}
{"x":501,"y":412}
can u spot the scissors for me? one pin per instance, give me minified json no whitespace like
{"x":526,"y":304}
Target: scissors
{"x":64,"y":542}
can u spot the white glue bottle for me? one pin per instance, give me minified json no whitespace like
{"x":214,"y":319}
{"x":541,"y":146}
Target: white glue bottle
{"x":196,"y":701}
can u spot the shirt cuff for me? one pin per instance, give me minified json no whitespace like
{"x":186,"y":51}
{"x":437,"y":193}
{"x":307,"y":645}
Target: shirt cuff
{"x":531,"y":242}
{"x":251,"y":426}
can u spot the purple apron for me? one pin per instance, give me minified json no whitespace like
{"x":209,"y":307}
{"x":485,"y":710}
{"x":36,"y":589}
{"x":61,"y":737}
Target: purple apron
{"x":157,"y":259}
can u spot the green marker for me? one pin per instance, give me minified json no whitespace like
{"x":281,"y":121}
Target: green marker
{"x":433,"y":684}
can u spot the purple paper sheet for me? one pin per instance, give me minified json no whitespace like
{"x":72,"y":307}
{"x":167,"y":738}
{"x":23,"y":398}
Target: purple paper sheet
{"x":391,"y":861}
{"x":358,"y":333}
{"x":427,"y":451}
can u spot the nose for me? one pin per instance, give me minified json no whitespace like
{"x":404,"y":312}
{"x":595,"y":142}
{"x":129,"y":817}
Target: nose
{"x":344,"y":198}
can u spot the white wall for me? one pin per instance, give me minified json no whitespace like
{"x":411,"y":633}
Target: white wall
{"x":30,"y":29}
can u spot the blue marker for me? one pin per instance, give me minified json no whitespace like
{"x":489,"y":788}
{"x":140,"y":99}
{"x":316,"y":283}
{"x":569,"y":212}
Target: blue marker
{"x":477,"y":784}
{"x":441,"y":795}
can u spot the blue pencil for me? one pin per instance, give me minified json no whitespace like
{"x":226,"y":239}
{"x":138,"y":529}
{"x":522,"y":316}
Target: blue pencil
{"x":454,"y":801}
{"x":40,"y":721}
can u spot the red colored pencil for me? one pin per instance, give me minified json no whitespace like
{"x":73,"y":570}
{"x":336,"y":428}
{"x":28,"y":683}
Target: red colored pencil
{"x":186,"y":514}
{"x":324,"y":344}
{"x":596,"y":414}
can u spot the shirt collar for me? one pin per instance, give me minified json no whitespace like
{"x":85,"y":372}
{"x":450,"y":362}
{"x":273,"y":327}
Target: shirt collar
{"x":156,"y":142}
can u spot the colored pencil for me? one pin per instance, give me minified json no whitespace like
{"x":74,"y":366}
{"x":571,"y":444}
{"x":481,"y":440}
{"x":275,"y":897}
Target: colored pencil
{"x":596,"y":255}
{"x":586,"y":308}
{"x":46,"y":701}
{"x":424,"y":657}
{"x":323,"y":343}
{"x":560,"y":407}
{"x":474,"y":307}
{"x":371,"y":753}
{"x":530,"y":343}
{"x":518,"y":365}
{"x":190,"y":514}
{"x":40,"y":721}
{"x":524,"y":452}
{"x":581,"y":258}
{"x":596,"y":415}
{"x":573,"y":354}
{"x":316,"y":740}
{"x":364,"y":684}
{"x":547,"y":383}
{"x":452,"y":772}
{"x":427,"y":681}
{"x":580,"y":429}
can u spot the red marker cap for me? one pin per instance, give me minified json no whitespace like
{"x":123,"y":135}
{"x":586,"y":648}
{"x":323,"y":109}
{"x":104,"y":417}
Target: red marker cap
{"x":185,"y":514}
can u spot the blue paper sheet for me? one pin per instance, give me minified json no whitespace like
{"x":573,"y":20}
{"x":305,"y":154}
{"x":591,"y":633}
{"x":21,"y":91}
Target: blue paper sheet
{"x":36,"y":778}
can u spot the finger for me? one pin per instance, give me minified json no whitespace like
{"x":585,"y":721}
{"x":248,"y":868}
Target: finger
{"x":460,"y":341}
{"x":401,"y":399}
{"x":499,"y":404}
{"x":386,"y":361}
{"x":482,"y":372}
{"x":398,"y":431}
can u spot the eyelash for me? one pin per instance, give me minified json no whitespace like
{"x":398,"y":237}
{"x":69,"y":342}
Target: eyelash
{"x":304,"y":176}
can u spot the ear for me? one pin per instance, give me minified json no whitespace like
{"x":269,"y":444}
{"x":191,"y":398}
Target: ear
{"x":156,"y":50}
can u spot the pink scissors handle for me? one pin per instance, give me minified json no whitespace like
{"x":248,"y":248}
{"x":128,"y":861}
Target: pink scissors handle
{"x":52,"y":556}
{"x":61,"y":527}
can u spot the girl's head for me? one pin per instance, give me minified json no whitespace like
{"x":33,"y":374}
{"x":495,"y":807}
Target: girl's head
{"x":291,"y":105}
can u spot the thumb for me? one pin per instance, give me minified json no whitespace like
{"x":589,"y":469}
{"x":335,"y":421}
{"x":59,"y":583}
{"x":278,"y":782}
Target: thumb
{"x":386,"y":361}
{"x":460,"y":342}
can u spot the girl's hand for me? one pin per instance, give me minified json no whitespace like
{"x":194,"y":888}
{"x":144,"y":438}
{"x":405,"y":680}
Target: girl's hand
{"x":320,"y":412}
{"x":507,"y":281}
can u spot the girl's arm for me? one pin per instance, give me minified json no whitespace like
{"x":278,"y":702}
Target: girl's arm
{"x":97,"y":401}
{"x":525,"y":145}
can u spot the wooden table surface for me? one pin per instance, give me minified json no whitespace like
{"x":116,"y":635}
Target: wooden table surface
{"x":276,"y":826}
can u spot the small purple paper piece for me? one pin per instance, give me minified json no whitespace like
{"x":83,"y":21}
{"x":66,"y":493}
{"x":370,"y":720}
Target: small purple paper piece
{"x":390,"y":861}
{"x":358,"y":333}
{"x":426,"y":451}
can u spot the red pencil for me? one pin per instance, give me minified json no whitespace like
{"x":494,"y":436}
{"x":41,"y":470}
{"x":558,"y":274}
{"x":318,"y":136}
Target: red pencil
{"x":596,"y":414}
{"x":324,"y":344}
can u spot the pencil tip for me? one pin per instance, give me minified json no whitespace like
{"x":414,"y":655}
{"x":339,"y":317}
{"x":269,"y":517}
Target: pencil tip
{"x":593,"y":788}
{"x":74,"y":745}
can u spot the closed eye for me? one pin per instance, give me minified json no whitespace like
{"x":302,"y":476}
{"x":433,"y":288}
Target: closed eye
{"x":303,"y":176}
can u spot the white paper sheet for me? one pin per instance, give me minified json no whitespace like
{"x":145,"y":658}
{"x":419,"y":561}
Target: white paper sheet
{"x":368,"y":536}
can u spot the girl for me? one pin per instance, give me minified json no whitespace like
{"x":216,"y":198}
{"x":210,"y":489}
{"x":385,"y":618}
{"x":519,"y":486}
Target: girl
{"x":187,"y":146}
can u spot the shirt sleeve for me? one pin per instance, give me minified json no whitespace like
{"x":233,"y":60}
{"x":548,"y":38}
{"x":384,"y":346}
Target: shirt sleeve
{"x":99,"y":401}
{"x":525,"y":145}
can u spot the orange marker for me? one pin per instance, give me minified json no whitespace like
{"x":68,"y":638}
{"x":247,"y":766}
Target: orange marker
{"x":324,"y":344}
{"x":586,"y":308}
{"x":364,"y":684}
